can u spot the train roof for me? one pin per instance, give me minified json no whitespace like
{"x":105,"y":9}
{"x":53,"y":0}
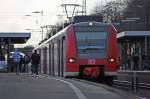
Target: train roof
{"x":45,"y":42}
{"x":91,"y":22}
{"x":75,"y":24}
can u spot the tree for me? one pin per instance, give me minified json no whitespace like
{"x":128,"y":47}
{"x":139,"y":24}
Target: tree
{"x":53,"y":29}
{"x":138,"y":9}
{"x":112,"y":11}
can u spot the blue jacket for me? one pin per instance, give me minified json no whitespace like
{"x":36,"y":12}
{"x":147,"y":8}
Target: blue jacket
{"x":16,"y":57}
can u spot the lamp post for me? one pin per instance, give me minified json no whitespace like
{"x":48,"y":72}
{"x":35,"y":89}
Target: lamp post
{"x":147,"y":17}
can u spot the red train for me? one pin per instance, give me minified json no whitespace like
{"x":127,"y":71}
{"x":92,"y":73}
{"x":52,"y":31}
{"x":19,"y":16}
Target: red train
{"x":84,"y":49}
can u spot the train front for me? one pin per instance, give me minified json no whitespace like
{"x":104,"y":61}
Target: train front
{"x":96,"y":50}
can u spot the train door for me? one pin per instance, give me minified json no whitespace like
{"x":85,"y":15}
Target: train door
{"x":63,"y":56}
{"x":49,"y":59}
{"x":52,"y":58}
{"x":40,"y":53}
{"x":58,"y":56}
{"x":45,"y":61}
{"x":42,"y":60}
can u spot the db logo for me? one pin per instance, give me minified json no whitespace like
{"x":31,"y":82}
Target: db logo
{"x":91,"y":61}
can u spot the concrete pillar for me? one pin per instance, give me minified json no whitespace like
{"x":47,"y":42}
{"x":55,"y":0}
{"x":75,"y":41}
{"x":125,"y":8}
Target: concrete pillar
{"x":145,"y":45}
{"x":140,"y":55}
{"x":130,"y":62}
{"x":8,"y":55}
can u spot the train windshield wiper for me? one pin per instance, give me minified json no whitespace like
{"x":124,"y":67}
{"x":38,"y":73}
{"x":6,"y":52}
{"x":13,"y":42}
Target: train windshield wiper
{"x":91,"y":47}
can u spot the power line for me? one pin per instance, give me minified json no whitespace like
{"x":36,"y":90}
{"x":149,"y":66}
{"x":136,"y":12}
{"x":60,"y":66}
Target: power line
{"x":84,"y":7}
{"x":69,"y":9}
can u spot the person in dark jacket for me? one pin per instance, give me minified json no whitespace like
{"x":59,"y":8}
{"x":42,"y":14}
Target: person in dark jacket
{"x":35,"y":59}
{"x":26,"y":62}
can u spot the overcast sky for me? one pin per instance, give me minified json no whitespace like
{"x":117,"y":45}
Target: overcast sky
{"x":13,"y":19}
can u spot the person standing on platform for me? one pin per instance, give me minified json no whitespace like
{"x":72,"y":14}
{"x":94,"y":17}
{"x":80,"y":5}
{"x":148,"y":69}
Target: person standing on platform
{"x":135,"y":59}
{"x":26,"y":62}
{"x":145,"y":61}
{"x":35,"y":59}
{"x":21,"y":67}
{"x":16,"y":60}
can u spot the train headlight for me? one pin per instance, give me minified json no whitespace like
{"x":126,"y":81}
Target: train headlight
{"x":72,"y":60}
{"x":111,"y":60}
{"x":90,"y":23}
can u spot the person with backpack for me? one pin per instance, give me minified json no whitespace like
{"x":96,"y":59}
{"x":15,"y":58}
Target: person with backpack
{"x":26,"y":62}
{"x":35,"y":60}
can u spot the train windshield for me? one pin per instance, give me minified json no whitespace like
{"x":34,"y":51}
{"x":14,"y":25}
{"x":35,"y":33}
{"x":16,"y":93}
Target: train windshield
{"x":91,"y":44}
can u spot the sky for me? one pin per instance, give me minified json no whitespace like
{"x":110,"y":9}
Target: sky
{"x":17,"y":16}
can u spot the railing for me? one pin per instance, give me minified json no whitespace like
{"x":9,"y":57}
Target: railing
{"x":135,"y":81}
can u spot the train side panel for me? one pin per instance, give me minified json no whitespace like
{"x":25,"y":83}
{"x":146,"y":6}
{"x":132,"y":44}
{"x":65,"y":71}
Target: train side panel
{"x":48,"y":62}
{"x":72,"y":68}
{"x":42,"y":60}
{"x":55,"y":58}
{"x":112,"y":52}
{"x":60,"y":56}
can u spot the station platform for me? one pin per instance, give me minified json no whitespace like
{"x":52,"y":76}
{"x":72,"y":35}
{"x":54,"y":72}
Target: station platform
{"x":25,"y":86}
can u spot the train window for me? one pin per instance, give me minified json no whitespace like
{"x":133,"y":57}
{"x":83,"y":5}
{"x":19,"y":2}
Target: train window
{"x":90,"y":29}
{"x":91,"y":44}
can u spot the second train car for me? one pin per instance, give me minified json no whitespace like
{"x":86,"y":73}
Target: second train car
{"x":84,"y":49}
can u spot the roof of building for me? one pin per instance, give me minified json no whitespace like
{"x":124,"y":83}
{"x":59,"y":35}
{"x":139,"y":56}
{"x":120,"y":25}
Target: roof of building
{"x":15,"y":37}
{"x":133,"y":34}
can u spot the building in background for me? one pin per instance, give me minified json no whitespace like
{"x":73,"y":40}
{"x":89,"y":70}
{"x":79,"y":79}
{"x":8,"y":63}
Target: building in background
{"x":7,"y":41}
